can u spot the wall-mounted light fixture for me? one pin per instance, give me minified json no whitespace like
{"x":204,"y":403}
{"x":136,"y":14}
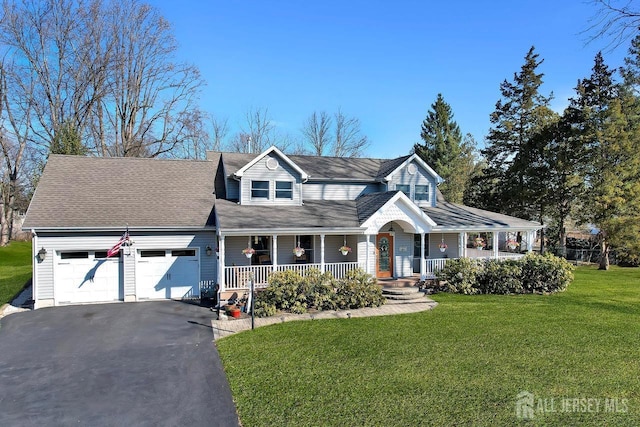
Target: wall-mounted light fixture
{"x":208,"y":250}
{"x":42,"y":254}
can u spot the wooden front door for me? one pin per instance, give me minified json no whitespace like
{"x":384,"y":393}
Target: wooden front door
{"x":384,"y":255}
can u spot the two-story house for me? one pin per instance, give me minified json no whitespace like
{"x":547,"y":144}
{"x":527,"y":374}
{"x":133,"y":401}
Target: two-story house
{"x":237,"y":217}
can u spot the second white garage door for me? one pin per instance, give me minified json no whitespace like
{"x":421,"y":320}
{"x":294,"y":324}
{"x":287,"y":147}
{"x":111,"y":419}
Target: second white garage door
{"x":167,"y":273}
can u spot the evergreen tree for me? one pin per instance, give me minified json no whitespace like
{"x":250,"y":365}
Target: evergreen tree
{"x":444,"y":150}
{"x":515,"y":151}
{"x":67,"y":140}
{"x":606,"y":115}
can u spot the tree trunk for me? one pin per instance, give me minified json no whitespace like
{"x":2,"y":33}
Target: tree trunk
{"x":604,"y":255}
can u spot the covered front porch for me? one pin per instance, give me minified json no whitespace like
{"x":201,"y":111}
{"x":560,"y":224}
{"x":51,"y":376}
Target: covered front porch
{"x":394,"y":251}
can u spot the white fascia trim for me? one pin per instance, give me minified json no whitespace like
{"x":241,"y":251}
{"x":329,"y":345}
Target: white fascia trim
{"x":406,"y":201}
{"x":422,"y":163}
{"x":289,"y":231}
{"x":116,"y":229}
{"x":272,"y":149}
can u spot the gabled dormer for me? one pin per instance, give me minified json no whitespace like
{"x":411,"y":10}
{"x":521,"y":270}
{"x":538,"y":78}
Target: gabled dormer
{"x":416,"y":179}
{"x":270,"y":178}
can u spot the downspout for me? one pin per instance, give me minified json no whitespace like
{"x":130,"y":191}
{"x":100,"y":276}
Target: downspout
{"x":34,"y":262}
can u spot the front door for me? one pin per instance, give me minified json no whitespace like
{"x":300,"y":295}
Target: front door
{"x":384,"y":251}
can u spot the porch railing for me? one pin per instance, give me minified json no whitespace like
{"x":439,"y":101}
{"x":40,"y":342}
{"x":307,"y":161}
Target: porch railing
{"x":238,"y":277}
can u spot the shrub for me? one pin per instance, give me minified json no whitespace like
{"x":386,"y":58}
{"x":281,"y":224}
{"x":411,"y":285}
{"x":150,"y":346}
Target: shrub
{"x":530,"y":274}
{"x":500,"y":277}
{"x":460,"y":275}
{"x":357,"y":290}
{"x":627,"y":258}
{"x":545,"y":273}
{"x":289,"y":291}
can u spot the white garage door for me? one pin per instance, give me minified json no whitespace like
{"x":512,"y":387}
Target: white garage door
{"x":88,"y":276}
{"x":167,"y":273}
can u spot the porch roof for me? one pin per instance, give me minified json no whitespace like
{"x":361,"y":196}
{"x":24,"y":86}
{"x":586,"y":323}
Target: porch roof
{"x":454,"y":217}
{"x":337,"y":214}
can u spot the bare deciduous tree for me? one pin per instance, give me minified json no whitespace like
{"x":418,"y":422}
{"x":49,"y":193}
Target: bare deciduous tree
{"x":348,"y":138}
{"x":615,"y":20}
{"x":316,"y":131}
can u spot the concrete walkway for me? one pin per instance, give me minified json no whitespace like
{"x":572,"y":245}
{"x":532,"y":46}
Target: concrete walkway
{"x":228,"y":326}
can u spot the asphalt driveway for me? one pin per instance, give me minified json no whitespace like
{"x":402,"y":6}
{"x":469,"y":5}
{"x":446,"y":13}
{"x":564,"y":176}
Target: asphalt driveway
{"x":150,"y":363}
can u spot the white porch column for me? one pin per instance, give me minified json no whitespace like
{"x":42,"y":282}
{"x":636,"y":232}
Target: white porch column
{"x":495,"y":244}
{"x":322,"y":253}
{"x":367,"y":268}
{"x":531,"y":236}
{"x":274,"y":256}
{"x":221,"y":256}
{"x":462,"y":245}
{"x":423,"y":272}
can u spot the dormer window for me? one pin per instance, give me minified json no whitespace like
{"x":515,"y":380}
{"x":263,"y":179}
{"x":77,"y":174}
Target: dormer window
{"x":421,"y":192}
{"x":406,"y":189}
{"x":284,"y":190}
{"x":259,"y":189}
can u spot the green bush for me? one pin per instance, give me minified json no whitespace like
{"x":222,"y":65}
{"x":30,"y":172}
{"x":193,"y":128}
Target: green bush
{"x":290,"y":292}
{"x":530,"y":274}
{"x":461,"y":275}
{"x":357,"y":290}
{"x":500,"y":277}
{"x":627,"y":258}
{"x":545,"y":273}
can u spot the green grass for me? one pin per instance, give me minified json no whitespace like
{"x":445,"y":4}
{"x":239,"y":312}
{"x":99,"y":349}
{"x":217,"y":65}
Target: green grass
{"x":15,"y":269}
{"x":460,"y":364}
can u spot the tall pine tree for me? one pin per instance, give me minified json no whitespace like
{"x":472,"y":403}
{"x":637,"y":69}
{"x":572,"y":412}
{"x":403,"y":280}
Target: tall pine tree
{"x":444,"y":150}
{"x":515,"y":150}
{"x":606,"y":115}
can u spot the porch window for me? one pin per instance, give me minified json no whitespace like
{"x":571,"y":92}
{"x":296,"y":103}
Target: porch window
{"x":421,"y":192}
{"x":284,"y":190}
{"x":405,"y":188}
{"x":416,"y":246}
{"x":259,"y":189}
{"x":262,"y":246}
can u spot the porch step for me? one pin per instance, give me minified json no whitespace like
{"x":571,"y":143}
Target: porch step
{"x":405,"y":282}
{"x":410,"y":295}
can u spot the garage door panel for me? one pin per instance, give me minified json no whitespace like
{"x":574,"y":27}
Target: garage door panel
{"x":88,"y":280}
{"x":176,"y":274}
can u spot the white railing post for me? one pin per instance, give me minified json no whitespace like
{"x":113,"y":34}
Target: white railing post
{"x":322,"y":253}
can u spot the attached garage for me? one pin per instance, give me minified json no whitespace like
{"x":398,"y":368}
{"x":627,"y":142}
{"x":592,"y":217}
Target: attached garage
{"x":88,"y":276}
{"x":167,"y":273}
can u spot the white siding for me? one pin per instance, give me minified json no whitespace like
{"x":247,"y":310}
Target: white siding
{"x":336,"y":191}
{"x":403,"y":254}
{"x":259,"y":171}
{"x":233,"y":246}
{"x":421,"y":177}
{"x":362,"y":253}
{"x":332,"y":245}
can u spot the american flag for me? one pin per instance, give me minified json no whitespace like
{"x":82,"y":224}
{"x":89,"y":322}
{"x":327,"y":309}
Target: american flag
{"x":116,"y":248}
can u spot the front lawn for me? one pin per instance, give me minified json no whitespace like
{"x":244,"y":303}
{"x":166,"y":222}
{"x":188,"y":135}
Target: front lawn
{"x":15,"y":269}
{"x":463,"y":363}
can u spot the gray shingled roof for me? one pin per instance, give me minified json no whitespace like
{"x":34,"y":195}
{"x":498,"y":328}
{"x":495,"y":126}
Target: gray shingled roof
{"x":313,"y":214}
{"x":92,"y":192}
{"x":452,"y":216}
{"x":369,"y":204}
{"x":336,"y":168}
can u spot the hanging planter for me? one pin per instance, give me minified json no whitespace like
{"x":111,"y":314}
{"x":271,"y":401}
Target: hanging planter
{"x":512,"y":244}
{"x":248,"y":252}
{"x":442,"y":246}
{"x":344,"y":249}
{"x":298,"y":251}
{"x":480,"y":244}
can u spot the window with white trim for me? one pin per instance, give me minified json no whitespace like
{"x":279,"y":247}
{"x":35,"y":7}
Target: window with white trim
{"x":405,"y":188}
{"x":284,"y":190}
{"x":259,"y":189}
{"x":421,"y":192}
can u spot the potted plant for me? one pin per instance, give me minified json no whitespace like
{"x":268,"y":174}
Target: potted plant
{"x":248,"y":252}
{"x":512,"y":244}
{"x":442,"y":246}
{"x":344,"y":249}
{"x":298,"y":251}
{"x":480,"y":243}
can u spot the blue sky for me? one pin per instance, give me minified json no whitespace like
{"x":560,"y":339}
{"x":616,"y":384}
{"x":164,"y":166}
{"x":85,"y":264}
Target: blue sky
{"x":383,"y":62}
